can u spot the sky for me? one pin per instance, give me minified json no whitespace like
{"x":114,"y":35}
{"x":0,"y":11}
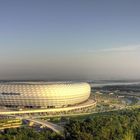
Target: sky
{"x":69,"y":39}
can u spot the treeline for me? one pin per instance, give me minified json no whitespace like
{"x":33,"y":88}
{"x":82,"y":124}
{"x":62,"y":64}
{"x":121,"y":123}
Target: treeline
{"x":122,"y":125}
{"x":25,"y":133}
{"x":127,"y":88}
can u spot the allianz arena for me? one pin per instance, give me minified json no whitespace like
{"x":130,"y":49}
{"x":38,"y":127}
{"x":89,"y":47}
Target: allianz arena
{"x":43,"y":95}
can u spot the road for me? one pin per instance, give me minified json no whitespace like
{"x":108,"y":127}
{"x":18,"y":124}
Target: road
{"x":56,"y":128}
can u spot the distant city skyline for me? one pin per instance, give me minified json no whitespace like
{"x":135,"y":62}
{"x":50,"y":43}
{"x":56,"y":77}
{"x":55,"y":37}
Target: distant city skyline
{"x":69,"y":40}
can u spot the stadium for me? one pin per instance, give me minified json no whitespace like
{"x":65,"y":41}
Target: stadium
{"x":43,"y":95}
{"x":30,"y":101}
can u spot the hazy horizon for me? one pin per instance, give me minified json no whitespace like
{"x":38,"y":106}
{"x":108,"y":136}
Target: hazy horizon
{"x":69,"y":40}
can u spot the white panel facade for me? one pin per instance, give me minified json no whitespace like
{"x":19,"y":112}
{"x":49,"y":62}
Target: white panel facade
{"x":43,"y":95}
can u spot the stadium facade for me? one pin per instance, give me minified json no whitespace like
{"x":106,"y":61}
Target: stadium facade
{"x":43,"y":95}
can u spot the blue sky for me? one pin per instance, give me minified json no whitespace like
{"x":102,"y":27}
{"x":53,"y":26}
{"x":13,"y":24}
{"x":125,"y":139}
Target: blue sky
{"x":75,"y":39}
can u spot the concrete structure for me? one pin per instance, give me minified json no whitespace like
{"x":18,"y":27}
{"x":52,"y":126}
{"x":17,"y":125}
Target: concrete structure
{"x":43,"y":95}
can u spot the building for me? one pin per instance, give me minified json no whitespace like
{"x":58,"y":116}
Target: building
{"x":10,"y":123}
{"x":43,"y":95}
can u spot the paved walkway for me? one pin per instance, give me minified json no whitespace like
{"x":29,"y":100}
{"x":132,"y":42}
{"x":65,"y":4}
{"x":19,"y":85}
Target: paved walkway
{"x":89,"y":103}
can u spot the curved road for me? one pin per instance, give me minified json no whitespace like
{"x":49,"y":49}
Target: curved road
{"x":56,"y":128}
